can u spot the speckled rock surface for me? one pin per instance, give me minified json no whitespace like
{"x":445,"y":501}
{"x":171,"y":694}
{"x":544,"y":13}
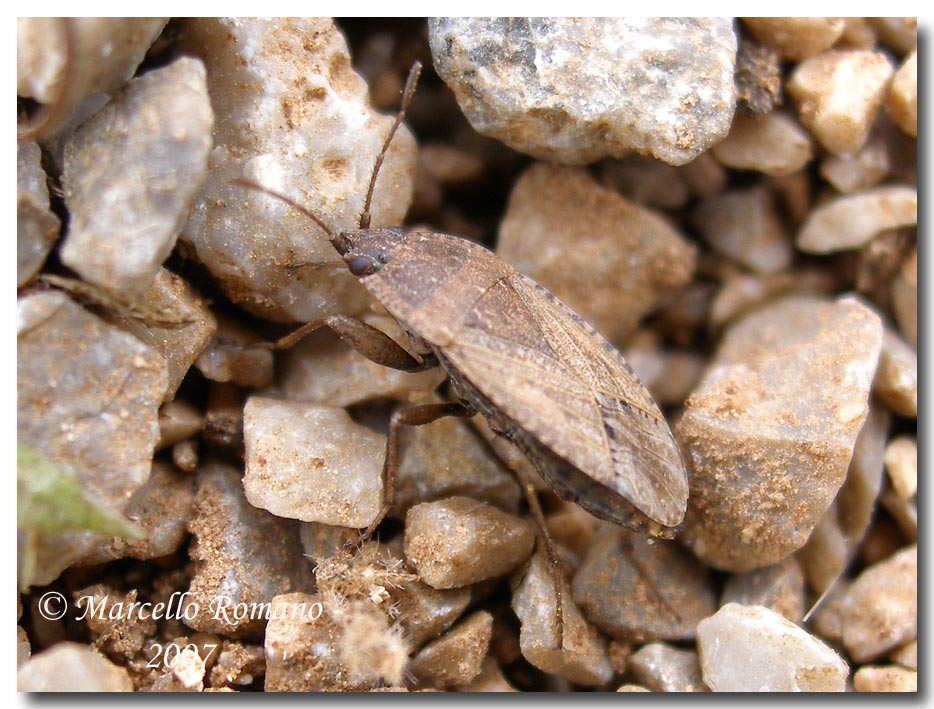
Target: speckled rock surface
{"x":574,"y":91}
{"x":753,"y":649}
{"x":782,"y":402}
{"x":606,"y":257}
{"x":87,"y":396}
{"x":293,"y":116}
{"x":130,"y":175}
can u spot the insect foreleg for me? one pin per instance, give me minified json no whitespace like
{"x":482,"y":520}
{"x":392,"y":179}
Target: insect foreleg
{"x":412,"y":416}
{"x":372,"y":343}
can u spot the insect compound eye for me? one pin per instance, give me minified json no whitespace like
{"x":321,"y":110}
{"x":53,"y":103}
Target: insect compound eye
{"x":362,"y":265}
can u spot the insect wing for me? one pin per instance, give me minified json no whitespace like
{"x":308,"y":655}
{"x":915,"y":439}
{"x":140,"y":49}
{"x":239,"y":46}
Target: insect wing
{"x":567,"y":387}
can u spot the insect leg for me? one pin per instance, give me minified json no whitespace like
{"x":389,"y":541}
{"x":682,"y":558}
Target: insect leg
{"x":372,"y":343}
{"x":412,"y":416}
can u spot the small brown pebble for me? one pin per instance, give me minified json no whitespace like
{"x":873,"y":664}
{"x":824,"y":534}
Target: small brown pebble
{"x":901,"y":463}
{"x":583,"y":658}
{"x":758,"y":78}
{"x":633,"y":688}
{"x":455,"y":658}
{"x":37,"y":226}
{"x":178,"y":420}
{"x":460,"y":541}
{"x":850,"y":221}
{"x":899,"y":33}
{"x":773,"y":144}
{"x":490,"y":679}
{"x":906,"y":655}
{"x":905,"y":298}
{"x":665,"y":668}
{"x":896,"y":381}
{"x":796,"y":38}
{"x":640,"y":589}
{"x":880,"y":611}
{"x":885,"y":679}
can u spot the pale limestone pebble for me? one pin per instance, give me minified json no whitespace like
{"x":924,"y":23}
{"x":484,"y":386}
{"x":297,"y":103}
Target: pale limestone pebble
{"x":754,"y":649}
{"x":665,"y":668}
{"x":23,"y":648}
{"x":850,"y":221}
{"x":490,"y":679}
{"x":325,"y":370}
{"x":889,"y":678}
{"x":456,"y":657}
{"x":646,"y":181}
{"x":779,"y":587}
{"x":632,"y":688}
{"x":899,"y":33}
{"x":638,"y":589}
{"x":773,"y":144}
{"x":292,"y":116}
{"x":669,"y":374}
{"x":837,"y":95}
{"x":37,"y":226}
{"x":744,"y":225}
{"x":740,"y":293}
{"x":901,"y":463}
{"x":459,"y":541}
{"x":609,"y":259}
{"x":312,"y":463}
{"x":905,"y":298}
{"x":796,"y":38}
{"x":704,"y":176}
{"x":906,"y":655}
{"x":857,"y":34}
{"x":178,"y":421}
{"x":782,"y":402}
{"x":860,"y":171}
{"x":161,"y":508}
{"x":237,"y":664}
{"x":236,"y":355}
{"x":427,"y":470}
{"x":74,"y":81}
{"x":583,"y":659}
{"x":880,"y":610}
{"x":843,"y":526}
{"x":70,"y":667}
{"x":575,"y":91}
{"x":425,"y":612}
{"x":87,"y":396}
{"x":242,"y":556}
{"x":185,"y":456}
{"x":177,"y":323}
{"x":131,"y":173}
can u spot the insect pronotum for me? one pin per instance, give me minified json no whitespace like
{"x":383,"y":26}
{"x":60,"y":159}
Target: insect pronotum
{"x":539,"y":374}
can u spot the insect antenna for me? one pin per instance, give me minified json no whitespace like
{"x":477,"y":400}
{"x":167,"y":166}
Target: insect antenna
{"x":407,"y":95}
{"x":243,"y":182}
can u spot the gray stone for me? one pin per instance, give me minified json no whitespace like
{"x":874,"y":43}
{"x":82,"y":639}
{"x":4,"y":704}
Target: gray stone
{"x":638,"y":589}
{"x":130,"y":175}
{"x":664,"y":668}
{"x":242,"y":557}
{"x":454,"y":658}
{"x":293,"y":116}
{"x":312,"y":463}
{"x":87,"y":396}
{"x":577,"y":90}
{"x":779,"y":588}
{"x":769,"y":432}
{"x":37,"y":226}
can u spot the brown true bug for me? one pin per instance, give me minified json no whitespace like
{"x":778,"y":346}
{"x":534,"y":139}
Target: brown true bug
{"x":539,"y":374}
